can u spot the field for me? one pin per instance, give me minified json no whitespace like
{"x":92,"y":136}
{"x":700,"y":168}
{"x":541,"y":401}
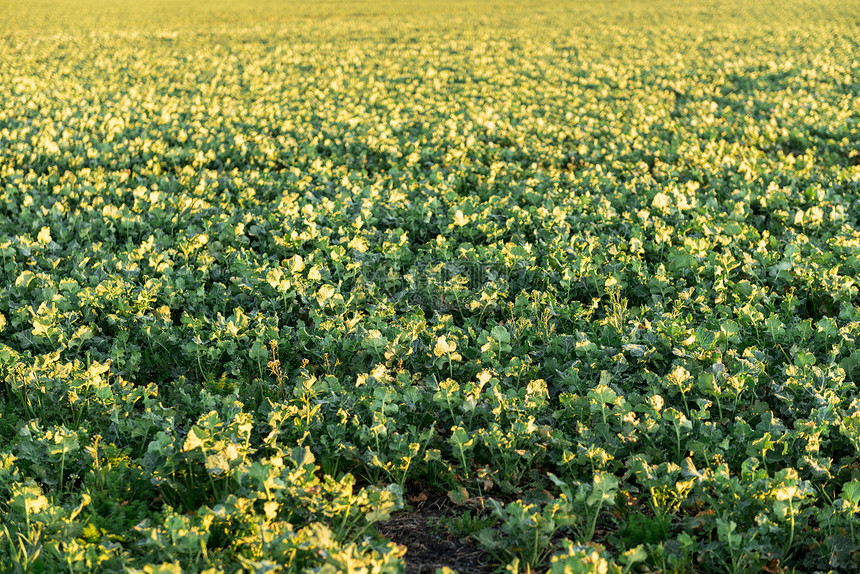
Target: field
{"x":380,"y":287}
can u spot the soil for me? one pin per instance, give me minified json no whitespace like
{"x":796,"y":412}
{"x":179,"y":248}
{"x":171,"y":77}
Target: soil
{"x":429,"y":548}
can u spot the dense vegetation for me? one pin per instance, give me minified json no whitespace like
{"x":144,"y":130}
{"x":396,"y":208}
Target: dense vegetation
{"x":271,"y":271}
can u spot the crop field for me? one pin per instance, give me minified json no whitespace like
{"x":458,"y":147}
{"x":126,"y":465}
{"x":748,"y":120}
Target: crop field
{"x":382,"y":287}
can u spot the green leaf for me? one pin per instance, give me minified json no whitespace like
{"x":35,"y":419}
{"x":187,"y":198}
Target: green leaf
{"x":605,"y":486}
{"x":500,"y":334}
{"x":851,"y":492}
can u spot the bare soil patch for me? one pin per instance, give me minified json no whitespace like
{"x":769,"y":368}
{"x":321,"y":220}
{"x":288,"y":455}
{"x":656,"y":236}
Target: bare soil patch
{"x":429,"y":548}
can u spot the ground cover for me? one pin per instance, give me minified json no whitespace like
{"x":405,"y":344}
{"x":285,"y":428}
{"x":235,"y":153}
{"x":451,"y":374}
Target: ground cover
{"x":387,"y":287}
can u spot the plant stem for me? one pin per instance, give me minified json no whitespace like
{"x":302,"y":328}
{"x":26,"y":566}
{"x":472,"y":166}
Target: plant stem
{"x":592,"y":523}
{"x":463,"y":461}
{"x":791,"y":531}
{"x":62,"y":471}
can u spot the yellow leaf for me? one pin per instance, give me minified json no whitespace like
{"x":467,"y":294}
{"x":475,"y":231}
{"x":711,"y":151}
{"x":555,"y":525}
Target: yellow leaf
{"x":192,"y":442}
{"x":443,"y":347}
{"x":44,"y":235}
